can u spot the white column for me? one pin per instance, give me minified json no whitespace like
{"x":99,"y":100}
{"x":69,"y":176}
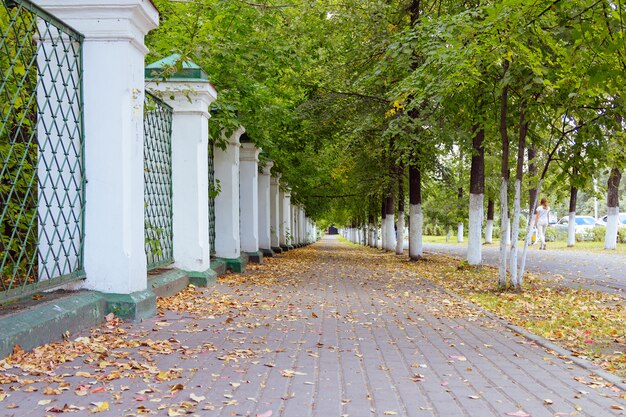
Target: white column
{"x":265,"y":239}
{"x":302,"y":227}
{"x":113,"y":85}
{"x":226,"y":167}
{"x":190,"y":179}
{"x":249,"y":196}
{"x":275,"y":209}
{"x":285,"y":218}
{"x":294,"y":225}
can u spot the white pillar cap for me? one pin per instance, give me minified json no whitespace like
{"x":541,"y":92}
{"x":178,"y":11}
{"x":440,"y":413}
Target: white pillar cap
{"x":107,"y":20}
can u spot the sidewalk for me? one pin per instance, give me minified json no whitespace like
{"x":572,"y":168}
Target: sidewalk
{"x":604,"y":272}
{"x":329,"y":330}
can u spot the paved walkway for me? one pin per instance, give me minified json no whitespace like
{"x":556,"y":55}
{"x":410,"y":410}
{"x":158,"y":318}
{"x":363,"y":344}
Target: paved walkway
{"x":598,"y":271}
{"x":325,"y":331}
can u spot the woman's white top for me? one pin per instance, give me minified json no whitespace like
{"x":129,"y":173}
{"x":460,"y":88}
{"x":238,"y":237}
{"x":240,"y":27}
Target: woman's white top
{"x":543,"y":215}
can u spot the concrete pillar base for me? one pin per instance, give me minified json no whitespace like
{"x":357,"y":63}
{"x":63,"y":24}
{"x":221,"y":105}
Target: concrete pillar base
{"x":218,"y":265}
{"x":233,"y":264}
{"x":277,"y":249}
{"x":202,"y":279}
{"x":255,"y":257}
{"x":268,"y":253}
{"x":135,"y":306}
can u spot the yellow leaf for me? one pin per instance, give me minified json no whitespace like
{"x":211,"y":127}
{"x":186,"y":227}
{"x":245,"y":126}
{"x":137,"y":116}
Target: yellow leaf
{"x":44,"y":402}
{"x":100,"y":407}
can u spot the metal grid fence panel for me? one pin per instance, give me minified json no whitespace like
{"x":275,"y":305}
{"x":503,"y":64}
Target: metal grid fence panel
{"x":41,"y":148}
{"x":212,"y":194}
{"x":157,"y":154}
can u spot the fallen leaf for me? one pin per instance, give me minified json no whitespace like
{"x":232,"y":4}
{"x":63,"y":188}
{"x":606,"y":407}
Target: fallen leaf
{"x":100,"y":407}
{"x":44,"y":402}
{"x":519,"y":413}
{"x":197,"y":398}
{"x":268,"y":413}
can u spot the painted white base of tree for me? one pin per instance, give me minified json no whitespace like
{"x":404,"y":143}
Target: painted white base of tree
{"x":474,"y":239}
{"x":416,"y":221}
{"x":459,"y":232}
{"x":571,"y":229}
{"x":489,"y":231}
{"x":400,"y":239}
{"x":612,"y":221}
{"x":390,"y":234}
{"x":515,"y":232}
{"x":505,"y":234}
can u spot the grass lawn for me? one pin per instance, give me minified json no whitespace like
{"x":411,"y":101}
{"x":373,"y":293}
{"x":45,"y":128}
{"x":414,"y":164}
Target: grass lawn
{"x":586,"y":246}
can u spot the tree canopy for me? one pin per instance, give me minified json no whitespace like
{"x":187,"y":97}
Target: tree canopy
{"x":338,"y":93}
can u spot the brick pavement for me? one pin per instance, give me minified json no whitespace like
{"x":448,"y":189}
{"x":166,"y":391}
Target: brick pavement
{"x":330,"y":330}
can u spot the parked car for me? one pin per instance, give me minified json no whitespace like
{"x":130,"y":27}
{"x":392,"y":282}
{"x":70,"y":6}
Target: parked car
{"x":622,"y":220}
{"x":584,"y":226}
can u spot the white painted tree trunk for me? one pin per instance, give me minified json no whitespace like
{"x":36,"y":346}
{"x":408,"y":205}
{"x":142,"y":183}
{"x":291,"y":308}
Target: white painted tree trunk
{"x":571,"y":229}
{"x":612,"y":221}
{"x":515,"y":231}
{"x":489,"y":232}
{"x":416,"y":221}
{"x":505,"y":234}
{"x":508,"y":235}
{"x":459,"y":232}
{"x":400,"y":239}
{"x":529,"y":229}
{"x":474,"y":239}
{"x":372,"y":236}
{"x":390,"y":238}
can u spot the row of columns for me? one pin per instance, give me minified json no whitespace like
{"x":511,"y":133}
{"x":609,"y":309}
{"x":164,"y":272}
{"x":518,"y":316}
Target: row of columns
{"x":253,"y":210}
{"x":253,"y":213}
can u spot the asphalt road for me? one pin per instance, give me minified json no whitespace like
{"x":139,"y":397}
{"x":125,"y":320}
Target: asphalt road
{"x":599,"y":271}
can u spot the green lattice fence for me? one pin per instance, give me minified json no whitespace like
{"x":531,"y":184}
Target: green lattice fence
{"x":212,"y":194}
{"x":41,"y":149}
{"x":157,"y":155}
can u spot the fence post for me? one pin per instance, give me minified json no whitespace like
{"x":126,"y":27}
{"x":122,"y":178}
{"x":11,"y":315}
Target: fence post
{"x":275,"y":209}
{"x":227,"y":239}
{"x":249,"y":199}
{"x":113,"y":85}
{"x":285,"y":219}
{"x":265,"y":238}
{"x":189,"y":93}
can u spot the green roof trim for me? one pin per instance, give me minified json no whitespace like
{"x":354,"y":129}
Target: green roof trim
{"x":190,"y":71}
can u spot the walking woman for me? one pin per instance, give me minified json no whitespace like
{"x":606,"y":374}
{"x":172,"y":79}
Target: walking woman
{"x":541,"y":222}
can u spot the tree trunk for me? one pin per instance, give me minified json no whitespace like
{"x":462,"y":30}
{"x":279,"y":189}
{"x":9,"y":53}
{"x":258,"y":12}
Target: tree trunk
{"x":477,"y":198}
{"x":383,"y":225}
{"x":517,"y":200}
{"x":489,"y":226}
{"x":390,"y":237}
{"x":612,"y":202}
{"x":459,"y":226}
{"x":571,"y":225}
{"x":532,"y":173}
{"x":505,"y":234}
{"x":416,"y":220}
{"x":371,"y":235}
{"x":400,"y":223}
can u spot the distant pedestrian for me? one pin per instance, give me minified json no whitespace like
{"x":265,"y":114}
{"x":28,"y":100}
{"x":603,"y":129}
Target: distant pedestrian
{"x":541,"y":222}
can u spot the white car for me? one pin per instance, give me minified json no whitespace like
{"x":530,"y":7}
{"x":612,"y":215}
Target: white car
{"x":584,"y":226}
{"x":622,"y":220}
